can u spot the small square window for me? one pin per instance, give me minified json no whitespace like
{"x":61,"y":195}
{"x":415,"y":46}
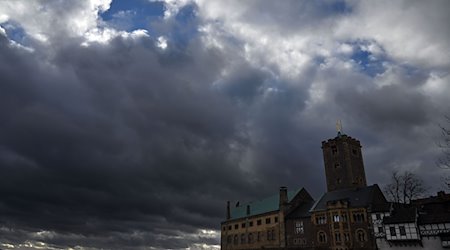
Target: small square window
{"x":276,"y":219}
{"x":250,"y":224}
{"x":258,"y":222}
{"x":267,"y":220}
{"x":236,"y":226}
{"x":229,"y":227}
{"x":402,"y":230}
{"x":392,"y":231}
{"x":243,"y":225}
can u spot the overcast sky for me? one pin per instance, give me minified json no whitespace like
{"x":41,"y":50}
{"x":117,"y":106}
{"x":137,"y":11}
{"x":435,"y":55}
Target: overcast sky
{"x":129,"y":124}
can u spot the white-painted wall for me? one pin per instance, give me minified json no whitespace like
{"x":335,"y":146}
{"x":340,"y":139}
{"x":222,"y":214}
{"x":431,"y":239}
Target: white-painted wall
{"x":429,"y":243}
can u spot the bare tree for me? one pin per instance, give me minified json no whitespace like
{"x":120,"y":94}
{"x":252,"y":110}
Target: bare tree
{"x":444,"y":144}
{"x":404,"y":187}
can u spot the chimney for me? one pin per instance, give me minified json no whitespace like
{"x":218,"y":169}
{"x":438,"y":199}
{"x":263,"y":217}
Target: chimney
{"x":248,"y":209}
{"x":283,"y":197}
{"x":228,"y":210}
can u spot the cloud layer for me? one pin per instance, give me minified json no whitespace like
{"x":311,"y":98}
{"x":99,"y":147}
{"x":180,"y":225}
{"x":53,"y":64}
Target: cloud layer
{"x":135,"y":139}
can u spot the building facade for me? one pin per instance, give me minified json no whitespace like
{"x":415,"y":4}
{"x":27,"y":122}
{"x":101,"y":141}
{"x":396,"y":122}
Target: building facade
{"x":341,"y":219}
{"x":260,"y":224}
{"x":423,"y":224}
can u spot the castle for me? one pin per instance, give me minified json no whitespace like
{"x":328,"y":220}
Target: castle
{"x":350,"y":215}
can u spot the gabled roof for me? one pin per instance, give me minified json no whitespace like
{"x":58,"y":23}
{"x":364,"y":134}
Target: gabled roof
{"x":356,"y":197}
{"x":400,"y":214}
{"x":269,"y":204}
{"x":301,"y":211}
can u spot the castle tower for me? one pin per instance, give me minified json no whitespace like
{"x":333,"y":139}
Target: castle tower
{"x":344,"y":167}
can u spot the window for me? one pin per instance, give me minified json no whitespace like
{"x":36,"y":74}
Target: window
{"x":258,"y":236}
{"x":229,"y":239}
{"x":276,"y":219}
{"x":299,"y":227}
{"x":337,"y":237}
{"x":243,"y":225}
{"x":235,"y":241}
{"x":321,"y":219}
{"x":338,"y":180}
{"x":360,"y":235}
{"x":402,"y":230}
{"x":378,"y":216}
{"x":250,"y":238}
{"x":229,"y":227}
{"x":346,"y":237}
{"x":236,"y":226}
{"x":250,"y":224}
{"x":344,"y":217}
{"x":392,"y":231}
{"x":380,"y":229}
{"x":267,"y":220}
{"x":271,"y":234}
{"x":258,"y":222}
{"x":322,"y":237}
{"x":337,"y":165}
{"x":336,"y":218}
{"x":334,"y":150}
{"x":355,"y":152}
{"x":242,"y":238}
{"x":358,"y":217}
{"x":224,"y":228}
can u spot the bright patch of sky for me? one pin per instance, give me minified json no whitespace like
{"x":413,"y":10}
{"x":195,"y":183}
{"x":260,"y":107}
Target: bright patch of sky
{"x":340,"y":7}
{"x":145,"y":14}
{"x":132,"y":15}
{"x":14,"y":32}
{"x":369,"y":57}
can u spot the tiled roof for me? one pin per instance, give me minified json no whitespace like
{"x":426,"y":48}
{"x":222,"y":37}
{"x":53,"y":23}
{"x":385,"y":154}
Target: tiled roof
{"x":266,"y":205}
{"x":401,"y":214}
{"x":434,"y":218}
{"x":356,"y":197}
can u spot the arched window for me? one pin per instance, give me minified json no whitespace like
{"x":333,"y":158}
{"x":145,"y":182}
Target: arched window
{"x":322,"y":237}
{"x":361,"y":235}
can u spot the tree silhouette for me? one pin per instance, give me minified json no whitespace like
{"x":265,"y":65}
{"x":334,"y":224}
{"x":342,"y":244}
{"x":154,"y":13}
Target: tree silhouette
{"x":444,"y":145}
{"x":404,"y":187}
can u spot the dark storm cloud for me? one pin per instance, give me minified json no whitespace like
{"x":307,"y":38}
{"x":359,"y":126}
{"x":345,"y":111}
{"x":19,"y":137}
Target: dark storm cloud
{"x":121,"y":144}
{"x":106,"y":139}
